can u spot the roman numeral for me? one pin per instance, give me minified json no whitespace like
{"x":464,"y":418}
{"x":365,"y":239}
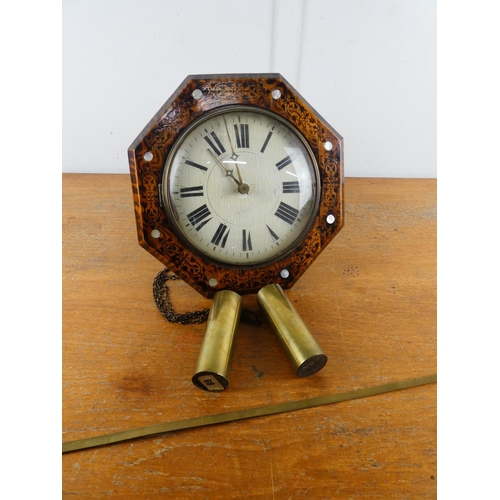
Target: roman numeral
{"x":291,"y":187}
{"x":199,"y":217}
{"x":196,"y":165}
{"x":266,"y":142}
{"x":218,"y":151}
{"x":191,"y":191}
{"x":272,"y":233}
{"x":242,"y":140}
{"x":283,"y":163}
{"x":247,"y":241}
{"x":220,"y":234}
{"x":287,"y":213}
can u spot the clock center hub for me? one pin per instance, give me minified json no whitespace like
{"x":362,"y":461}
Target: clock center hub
{"x":244,"y":188}
{"x":249,"y":200}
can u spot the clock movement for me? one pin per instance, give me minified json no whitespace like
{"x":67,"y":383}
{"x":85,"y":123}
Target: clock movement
{"x":238,"y":186}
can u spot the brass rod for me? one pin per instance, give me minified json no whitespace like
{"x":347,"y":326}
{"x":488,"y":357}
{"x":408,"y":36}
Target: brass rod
{"x":233,"y":416}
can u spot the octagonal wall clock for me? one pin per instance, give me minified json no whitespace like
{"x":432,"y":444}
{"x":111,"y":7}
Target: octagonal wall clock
{"x":237,"y":183}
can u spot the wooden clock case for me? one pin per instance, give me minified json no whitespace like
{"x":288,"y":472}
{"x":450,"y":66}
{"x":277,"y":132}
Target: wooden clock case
{"x":265,"y":91}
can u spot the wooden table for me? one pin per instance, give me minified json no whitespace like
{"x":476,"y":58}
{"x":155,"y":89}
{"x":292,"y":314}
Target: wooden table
{"x":370,"y":302}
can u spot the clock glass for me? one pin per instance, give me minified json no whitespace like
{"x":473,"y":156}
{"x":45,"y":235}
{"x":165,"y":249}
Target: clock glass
{"x":241,"y":187}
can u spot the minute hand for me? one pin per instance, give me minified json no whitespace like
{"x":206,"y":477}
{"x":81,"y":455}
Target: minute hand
{"x":234,"y":156}
{"x":229,"y":172}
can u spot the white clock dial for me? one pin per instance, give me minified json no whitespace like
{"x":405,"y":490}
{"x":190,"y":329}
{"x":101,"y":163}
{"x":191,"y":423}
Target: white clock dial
{"x":241,"y":187}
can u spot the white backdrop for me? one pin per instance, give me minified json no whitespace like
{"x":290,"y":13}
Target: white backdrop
{"x":368,"y":67}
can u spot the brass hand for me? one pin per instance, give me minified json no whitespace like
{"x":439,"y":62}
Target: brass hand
{"x":229,"y":172}
{"x":238,"y":172}
{"x":234,"y":156}
{"x":243,"y":187}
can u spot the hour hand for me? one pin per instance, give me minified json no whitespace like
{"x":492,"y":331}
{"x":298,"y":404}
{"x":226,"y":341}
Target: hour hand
{"x":229,"y":172}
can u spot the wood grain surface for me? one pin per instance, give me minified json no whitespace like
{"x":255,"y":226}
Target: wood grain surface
{"x":370,"y":302}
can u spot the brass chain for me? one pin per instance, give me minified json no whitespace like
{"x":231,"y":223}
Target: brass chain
{"x":161,"y":295}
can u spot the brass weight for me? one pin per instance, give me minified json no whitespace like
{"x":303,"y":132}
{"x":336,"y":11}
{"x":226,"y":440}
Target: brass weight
{"x":300,"y":347}
{"x":214,"y":361}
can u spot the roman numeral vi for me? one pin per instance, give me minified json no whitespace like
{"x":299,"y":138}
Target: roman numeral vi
{"x":247,"y":241}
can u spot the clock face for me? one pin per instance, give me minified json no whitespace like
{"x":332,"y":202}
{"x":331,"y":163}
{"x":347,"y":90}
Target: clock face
{"x":241,"y":187}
